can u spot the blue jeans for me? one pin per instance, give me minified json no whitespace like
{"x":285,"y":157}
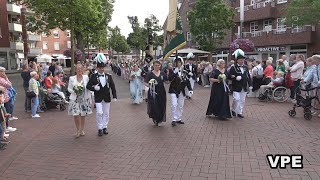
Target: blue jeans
{"x":35,"y":105}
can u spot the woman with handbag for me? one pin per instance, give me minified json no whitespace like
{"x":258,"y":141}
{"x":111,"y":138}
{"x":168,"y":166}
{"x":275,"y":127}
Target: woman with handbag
{"x":80,"y":99}
{"x":34,"y":93}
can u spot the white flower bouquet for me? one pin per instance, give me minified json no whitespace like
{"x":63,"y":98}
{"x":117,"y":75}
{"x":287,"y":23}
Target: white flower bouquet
{"x":78,"y":89}
{"x":222,"y":77}
{"x":153,"y":82}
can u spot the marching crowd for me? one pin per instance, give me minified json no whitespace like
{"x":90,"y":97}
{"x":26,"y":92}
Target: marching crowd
{"x":91,"y":87}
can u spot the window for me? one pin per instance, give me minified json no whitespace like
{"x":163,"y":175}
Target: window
{"x":45,"y":45}
{"x":282,"y":1}
{"x":32,"y":45}
{"x":56,"y":34}
{"x":68,"y":33}
{"x":69,"y":44}
{"x":254,"y":27}
{"x":188,"y":36}
{"x":281,"y":25}
{"x":56,"y":46}
{"x":267,"y":25}
{"x":295,"y":28}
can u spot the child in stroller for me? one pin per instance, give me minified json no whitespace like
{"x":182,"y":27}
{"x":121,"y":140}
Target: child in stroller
{"x":55,"y":89}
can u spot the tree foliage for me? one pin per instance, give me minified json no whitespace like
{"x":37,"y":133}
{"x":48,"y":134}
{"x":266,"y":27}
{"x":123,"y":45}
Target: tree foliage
{"x":208,"y":22}
{"x":118,"y":42}
{"x":303,"y":12}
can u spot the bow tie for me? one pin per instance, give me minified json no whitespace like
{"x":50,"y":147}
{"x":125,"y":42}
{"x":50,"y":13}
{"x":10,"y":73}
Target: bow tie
{"x":100,"y":75}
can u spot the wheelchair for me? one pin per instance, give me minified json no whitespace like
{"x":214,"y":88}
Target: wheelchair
{"x":279,"y":94}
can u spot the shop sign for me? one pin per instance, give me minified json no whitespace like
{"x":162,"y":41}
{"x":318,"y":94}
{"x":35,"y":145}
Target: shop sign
{"x":269,"y":49}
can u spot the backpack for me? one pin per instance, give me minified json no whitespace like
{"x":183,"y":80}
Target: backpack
{"x":259,"y":72}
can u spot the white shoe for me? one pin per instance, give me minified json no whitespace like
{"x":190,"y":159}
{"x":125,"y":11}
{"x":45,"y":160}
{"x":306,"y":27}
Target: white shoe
{"x":11,"y":129}
{"x":14,"y":118}
{"x":36,"y":116}
{"x":207,"y":86}
{"x":6,"y":135}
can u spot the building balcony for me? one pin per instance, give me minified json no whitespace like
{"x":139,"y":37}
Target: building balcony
{"x":34,"y":37}
{"x":15,"y":27}
{"x":286,"y":36}
{"x":35,"y":51}
{"x":16,"y":46}
{"x":13,"y":9}
{"x":257,"y":11}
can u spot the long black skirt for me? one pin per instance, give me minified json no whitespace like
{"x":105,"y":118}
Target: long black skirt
{"x":157,"y":105}
{"x":219,"y":102}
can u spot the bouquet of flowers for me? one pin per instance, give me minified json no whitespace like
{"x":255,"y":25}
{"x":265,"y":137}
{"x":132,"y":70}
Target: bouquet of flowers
{"x":78,"y":89}
{"x":153,"y":82}
{"x":222,"y":77}
{"x":133,"y":75}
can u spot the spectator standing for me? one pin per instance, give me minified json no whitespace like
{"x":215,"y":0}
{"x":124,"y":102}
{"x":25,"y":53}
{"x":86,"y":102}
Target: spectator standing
{"x":25,"y":74}
{"x":296,"y":75}
{"x":33,"y":87}
{"x":268,"y":72}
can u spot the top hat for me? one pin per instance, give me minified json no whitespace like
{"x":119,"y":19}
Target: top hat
{"x":101,"y":60}
{"x":239,"y":54}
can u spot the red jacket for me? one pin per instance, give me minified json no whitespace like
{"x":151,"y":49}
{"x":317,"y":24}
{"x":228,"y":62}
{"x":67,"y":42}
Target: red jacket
{"x":48,"y":82}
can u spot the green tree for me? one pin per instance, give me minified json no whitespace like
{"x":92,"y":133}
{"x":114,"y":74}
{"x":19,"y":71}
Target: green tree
{"x":82,"y":17}
{"x":209,"y":21}
{"x":137,"y":39}
{"x":303,"y":12}
{"x":118,"y":42}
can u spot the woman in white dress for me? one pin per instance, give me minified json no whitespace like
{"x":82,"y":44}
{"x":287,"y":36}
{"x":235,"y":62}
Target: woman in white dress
{"x":136,"y":85}
{"x":80,"y":99}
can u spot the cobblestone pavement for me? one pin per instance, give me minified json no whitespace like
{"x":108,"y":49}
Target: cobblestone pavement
{"x":203,"y":148}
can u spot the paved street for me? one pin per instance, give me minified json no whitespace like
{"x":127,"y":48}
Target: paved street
{"x":203,"y":148}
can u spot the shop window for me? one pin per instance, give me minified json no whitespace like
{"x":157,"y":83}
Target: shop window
{"x":298,"y":47}
{"x":32,"y":45}
{"x":68,"y":33}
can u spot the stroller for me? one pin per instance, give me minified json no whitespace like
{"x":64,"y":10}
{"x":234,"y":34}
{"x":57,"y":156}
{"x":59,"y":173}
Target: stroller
{"x":305,"y":103}
{"x":52,"y":101}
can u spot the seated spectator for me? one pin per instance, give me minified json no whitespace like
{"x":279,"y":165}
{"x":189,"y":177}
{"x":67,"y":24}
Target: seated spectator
{"x":48,"y":80}
{"x":3,"y":140}
{"x":274,"y":82}
{"x":56,"y":89}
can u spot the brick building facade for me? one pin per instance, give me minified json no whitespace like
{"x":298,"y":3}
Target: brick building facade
{"x":265,"y":26}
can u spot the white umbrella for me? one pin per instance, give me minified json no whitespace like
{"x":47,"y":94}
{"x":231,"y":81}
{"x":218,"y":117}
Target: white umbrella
{"x":62,"y":57}
{"x":190,"y":50}
{"x":44,"y":58}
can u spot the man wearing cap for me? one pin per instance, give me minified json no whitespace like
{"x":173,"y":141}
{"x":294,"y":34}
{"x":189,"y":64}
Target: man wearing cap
{"x":239,"y":74}
{"x":179,"y":80}
{"x":101,"y":83}
{"x":192,"y":72}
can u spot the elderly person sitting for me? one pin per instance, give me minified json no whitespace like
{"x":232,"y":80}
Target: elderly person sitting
{"x":280,"y":66}
{"x":268,"y":72}
{"x":33,"y":87}
{"x":274,"y":82}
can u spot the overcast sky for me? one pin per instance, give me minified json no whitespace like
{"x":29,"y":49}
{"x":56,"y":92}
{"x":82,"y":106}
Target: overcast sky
{"x":140,"y":8}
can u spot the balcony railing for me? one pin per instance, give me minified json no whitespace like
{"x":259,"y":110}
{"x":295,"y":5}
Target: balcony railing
{"x":16,"y":46}
{"x":13,"y":9}
{"x":35,"y":51}
{"x":34,"y":37}
{"x":297,"y":35}
{"x":14,"y":27}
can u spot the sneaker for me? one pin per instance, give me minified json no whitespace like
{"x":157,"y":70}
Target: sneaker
{"x":36,"y":116}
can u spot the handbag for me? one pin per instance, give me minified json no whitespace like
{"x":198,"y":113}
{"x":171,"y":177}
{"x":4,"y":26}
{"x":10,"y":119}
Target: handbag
{"x":30,"y":94}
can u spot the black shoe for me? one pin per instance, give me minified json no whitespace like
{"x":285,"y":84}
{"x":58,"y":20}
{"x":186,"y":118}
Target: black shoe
{"x":222,"y":118}
{"x":240,"y":116}
{"x":173,"y":123}
{"x":189,"y":97}
{"x":100,"y":133}
{"x":3,"y":146}
{"x":233,"y":113}
{"x":105,"y":131}
{"x":180,"y":122}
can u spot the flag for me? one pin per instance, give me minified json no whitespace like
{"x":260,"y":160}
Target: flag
{"x":175,"y":39}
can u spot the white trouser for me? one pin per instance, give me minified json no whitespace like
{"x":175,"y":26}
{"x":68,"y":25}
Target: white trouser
{"x":177,"y":106}
{"x":102,"y":115}
{"x":192,"y":85}
{"x":61,"y":95}
{"x":239,"y":99}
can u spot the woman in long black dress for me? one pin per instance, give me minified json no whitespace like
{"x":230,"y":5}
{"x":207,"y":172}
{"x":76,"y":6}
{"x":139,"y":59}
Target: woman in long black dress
{"x":157,"y":94}
{"x":219,"y":99}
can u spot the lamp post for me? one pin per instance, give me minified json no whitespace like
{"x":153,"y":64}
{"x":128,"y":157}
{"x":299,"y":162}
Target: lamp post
{"x":241,"y":17}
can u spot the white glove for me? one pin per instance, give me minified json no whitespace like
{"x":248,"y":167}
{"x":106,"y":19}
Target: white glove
{"x":238,"y":78}
{"x":250,"y":87}
{"x":190,"y":73}
{"x":190,"y":92}
{"x":176,"y":70}
{"x":197,"y":79}
{"x":97,"y":87}
{"x":114,"y":99}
